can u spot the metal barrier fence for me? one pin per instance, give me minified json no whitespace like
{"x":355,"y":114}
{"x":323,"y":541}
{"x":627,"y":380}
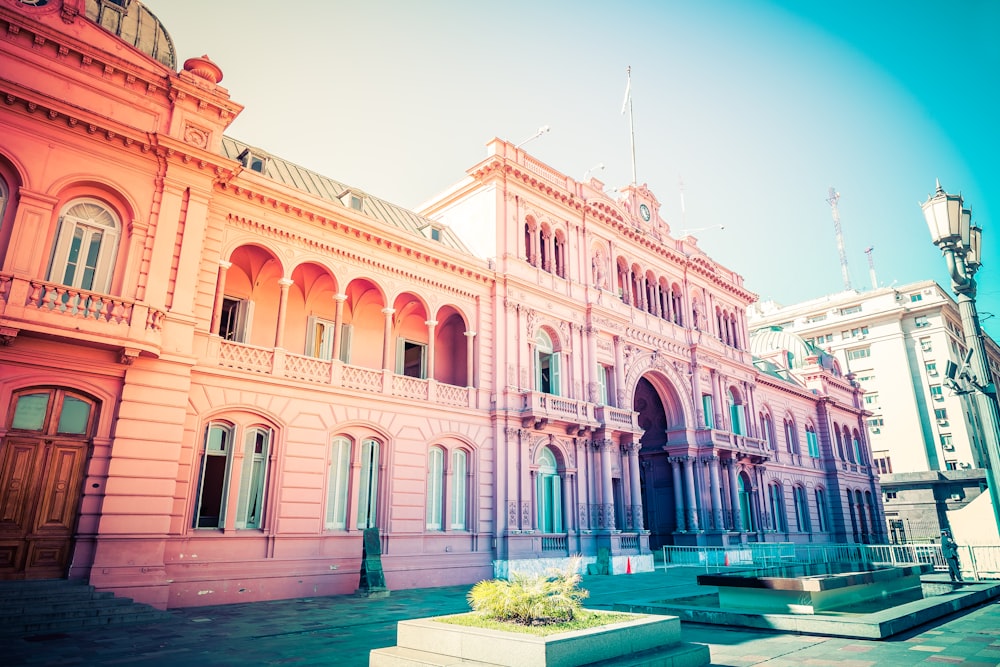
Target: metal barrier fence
{"x":976,"y":562}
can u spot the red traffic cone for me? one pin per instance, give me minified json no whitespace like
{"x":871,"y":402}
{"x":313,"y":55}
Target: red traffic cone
{"x":628,"y":566}
{"x":727,"y":559}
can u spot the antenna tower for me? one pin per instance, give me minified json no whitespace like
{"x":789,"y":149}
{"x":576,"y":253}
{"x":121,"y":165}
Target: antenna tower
{"x":871,"y":266}
{"x":832,"y":200}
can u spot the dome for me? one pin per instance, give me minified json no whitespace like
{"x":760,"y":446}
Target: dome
{"x":135,"y":25}
{"x":765,"y":342}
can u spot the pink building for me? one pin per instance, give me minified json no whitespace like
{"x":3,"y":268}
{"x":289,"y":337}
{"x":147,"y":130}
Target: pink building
{"x":219,"y":367}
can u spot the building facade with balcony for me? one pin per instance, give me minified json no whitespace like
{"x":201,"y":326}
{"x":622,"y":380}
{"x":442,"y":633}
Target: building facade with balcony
{"x":219,"y":368}
{"x":898,"y":342}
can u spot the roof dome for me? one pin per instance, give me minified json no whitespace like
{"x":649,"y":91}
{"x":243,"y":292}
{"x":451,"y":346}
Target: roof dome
{"x":764,"y":342}
{"x":135,"y":25}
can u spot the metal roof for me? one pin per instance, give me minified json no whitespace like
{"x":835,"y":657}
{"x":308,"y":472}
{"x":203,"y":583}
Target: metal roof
{"x":300,"y":178}
{"x":134,"y":24}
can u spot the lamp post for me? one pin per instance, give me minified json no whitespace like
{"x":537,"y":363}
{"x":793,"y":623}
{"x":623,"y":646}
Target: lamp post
{"x":952,"y":230}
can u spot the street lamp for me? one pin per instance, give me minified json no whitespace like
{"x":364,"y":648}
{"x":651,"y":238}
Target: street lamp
{"x":951,"y":228}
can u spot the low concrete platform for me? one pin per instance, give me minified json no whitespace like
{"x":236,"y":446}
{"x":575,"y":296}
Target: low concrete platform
{"x":866,"y":621}
{"x":645,"y":641}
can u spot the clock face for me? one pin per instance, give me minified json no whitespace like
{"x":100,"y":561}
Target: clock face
{"x":644,"y":212}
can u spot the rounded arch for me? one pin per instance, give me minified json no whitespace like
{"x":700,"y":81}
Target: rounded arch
{"x":106,"y":397}
{"x":452,"y":347}
{"x":364,"y":323}
{"x":311,"y":311}
{"x":112,"y":193}
{"x":665,"y":378}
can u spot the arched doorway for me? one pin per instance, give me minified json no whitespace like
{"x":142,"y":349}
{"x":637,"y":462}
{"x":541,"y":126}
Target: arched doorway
{"x":43,"y":460}
{"x":660,"y":417}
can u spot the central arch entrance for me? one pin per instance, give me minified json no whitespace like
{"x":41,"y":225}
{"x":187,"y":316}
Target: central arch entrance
{"x":43,"y":459}
{"x":660,"y":414}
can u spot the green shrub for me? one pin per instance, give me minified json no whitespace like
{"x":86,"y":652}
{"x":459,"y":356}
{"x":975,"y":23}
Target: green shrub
{"x":531,"y":599}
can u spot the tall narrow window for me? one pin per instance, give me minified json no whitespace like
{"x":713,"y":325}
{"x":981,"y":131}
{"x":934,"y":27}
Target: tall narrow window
{"x":338,"y":479}
{"x":4,"y":196}
{"x":736,"y":413}
{"x":859,"y":456}
{"x":821,"y":515}
{"x":319,"y":338}
{"x":250,"y":506}
{"x":777,"y":501}
{"x":549,"y":493}
{"x":210,"y":510}
{"x":234,"y":322}
{"x":411,"y":358}
{"x":83,"y":255}
{"x":746,"y":515}
{"x":546,"y":365}
{"x":791,"y":442}
{"x":708,"y":409}
{"x":459,"y":489}
{"x":344,"y":353}
{"x":605,"y":384}
{"x":812,"y":442}
{"x":435,"y":487}
{"x":368,"y":491}
{"x":803,"y":524}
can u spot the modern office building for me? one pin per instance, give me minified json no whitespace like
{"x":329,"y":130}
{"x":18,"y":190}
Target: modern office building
{"x":220,"y":368}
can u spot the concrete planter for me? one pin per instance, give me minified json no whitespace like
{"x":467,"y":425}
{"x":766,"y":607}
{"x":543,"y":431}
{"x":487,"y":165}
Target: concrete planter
{"x":648,"y":640}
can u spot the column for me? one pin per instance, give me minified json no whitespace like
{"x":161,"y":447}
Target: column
{"x":338,"y":324}
{"x":692,"y":503}
{"x":534,"y":500}
{"x":607,"y":491}
{"x":279,"y":334}
{"x":698,"y":404}
{"x":734,"y":495}
{"x":635,"y":488}
{"x":470,"y":338}
{"x":595,"y":379}
{"x":675,"y":469}
{"x":430,"y":348}
{"x":220,"y":290}
{"x":716,"y":488}
{"x":387,"y":356}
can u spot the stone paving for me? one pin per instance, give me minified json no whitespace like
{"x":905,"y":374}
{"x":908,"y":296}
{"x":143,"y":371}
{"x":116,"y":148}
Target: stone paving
{"x":341,"y":630}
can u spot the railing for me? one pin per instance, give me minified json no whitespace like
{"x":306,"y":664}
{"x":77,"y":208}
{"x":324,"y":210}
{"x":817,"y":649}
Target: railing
{"x":280,"y":363}
{"x":555,"y":543}
{"x":626,"y":420}
{"x":540,"y":404}
{"x":47,"y":297}
{"x":976,"y":562}
{"x":246,"y":357}
{"x":365,"y":379}
{"x":628,"y":541}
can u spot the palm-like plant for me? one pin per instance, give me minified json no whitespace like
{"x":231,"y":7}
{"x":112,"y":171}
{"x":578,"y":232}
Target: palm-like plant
{"x":531,"y":599}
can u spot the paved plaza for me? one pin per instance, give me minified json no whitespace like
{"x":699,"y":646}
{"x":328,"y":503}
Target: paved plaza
{"x":341,"y":630}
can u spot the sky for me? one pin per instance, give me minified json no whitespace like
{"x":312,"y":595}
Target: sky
{"x":745,"y":112}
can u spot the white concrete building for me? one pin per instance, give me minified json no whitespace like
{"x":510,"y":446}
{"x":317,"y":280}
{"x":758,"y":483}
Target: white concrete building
{"x":896,"y":341}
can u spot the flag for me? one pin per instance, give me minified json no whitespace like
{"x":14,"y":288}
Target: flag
{"x":628,"y":89}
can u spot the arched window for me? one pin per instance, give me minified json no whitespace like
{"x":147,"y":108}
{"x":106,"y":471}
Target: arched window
{"x":872,"y":520}
{"x":859,"y":457}
{"x":860,"y":507}
{"x":549,"y":493}
{"x":848,"y":446}
{"x":746,"y":513}
{"x":219,"y":476}
{"x":85,"y":248}
{"x":435,"y":488}
{"x":802,"y":522}
{"x":459,"y":473}
{"x":854,"y":515}
{"x":675,"y":305}
{"x":559,"y":255}
{"x":812,"y":442}
{"x":368,"y":491}
{"x":767,"y":431}
{"x":546,"y":365}
{"x":737,"y":412}
{"x":791,"y":441}
{"x":821,"y":510}
{"x":840,"y":443}
{"x":338,"y":483}
{"x":529,"y":252}
{"x":776,"y":499}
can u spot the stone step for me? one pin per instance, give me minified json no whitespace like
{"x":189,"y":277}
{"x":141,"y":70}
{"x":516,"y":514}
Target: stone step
{"x":58,"y":605}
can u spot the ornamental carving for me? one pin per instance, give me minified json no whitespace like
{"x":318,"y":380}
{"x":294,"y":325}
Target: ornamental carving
{"x":196,"y":136}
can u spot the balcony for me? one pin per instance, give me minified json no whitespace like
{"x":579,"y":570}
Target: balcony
{"x":78,"y":316}
{"x":279,"y":363}
{"x":617,"y":419}
{"x":539,"y":409}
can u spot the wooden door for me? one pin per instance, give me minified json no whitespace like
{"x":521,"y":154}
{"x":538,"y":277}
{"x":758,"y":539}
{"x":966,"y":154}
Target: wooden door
{"x":41,"y":476}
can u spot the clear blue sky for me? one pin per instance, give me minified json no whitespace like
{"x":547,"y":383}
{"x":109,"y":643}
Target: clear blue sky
{"x":758,"y":106}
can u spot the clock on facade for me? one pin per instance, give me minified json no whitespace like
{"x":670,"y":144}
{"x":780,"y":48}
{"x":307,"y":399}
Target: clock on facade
{"x":644,"y":212}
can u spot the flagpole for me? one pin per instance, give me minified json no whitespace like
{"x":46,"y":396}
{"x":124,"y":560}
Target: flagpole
{"x":631,"y":118}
